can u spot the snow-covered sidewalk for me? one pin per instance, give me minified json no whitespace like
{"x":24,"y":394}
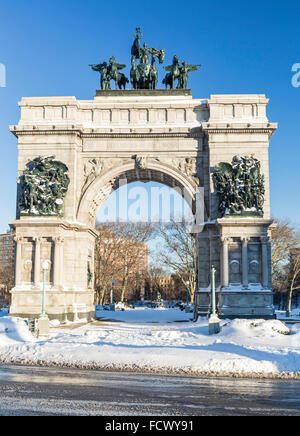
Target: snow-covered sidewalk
{"x":159,"y":340}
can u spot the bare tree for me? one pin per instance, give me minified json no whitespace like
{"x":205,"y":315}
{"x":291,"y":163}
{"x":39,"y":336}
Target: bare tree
{"x":284,"y":238}
{"x":105,"y":268}
{"x":293,"y":276}
{"x":119,"y":249}
{"x":7,"y":278}
{"x":179,"y":255}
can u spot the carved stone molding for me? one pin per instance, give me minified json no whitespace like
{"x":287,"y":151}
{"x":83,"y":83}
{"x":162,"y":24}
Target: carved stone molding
{"x":58,"y":240}
{"x":19,"y":239}
{"x":38,"y":239}
{"x":225,"y":239}
{"x":91,"y":170}
{"x":245,"y":239}
{"x":140,"y":162}
{"x":188,"y":166}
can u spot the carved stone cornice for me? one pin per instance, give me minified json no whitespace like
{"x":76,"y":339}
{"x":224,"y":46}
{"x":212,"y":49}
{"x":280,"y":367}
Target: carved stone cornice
{"x":246,"y":129}
{"x":150,"y":134}
{"x":120,"y":135}
{"x":29,"y":132}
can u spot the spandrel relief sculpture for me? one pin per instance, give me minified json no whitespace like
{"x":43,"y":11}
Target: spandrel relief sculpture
{"x":44,"y":185}
{"x":240,"y":186}
{"x":92,"y":169}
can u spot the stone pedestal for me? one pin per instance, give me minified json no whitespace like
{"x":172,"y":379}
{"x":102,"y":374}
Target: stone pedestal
{"x":241,"y":249}
{"x":67,"y":248}
{"x":43,"y":328}
{"x":214,"y":325}
{"x":247,"y":304}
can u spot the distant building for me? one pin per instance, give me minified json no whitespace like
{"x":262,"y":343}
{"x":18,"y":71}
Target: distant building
{"x":7,"y":249}
{"x":163,"y":284}
{"x":7,"y":259}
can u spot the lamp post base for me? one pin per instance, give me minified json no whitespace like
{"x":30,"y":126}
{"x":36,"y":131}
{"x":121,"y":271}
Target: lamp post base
{"x":214,"y":325}
{"x":43,"y":328}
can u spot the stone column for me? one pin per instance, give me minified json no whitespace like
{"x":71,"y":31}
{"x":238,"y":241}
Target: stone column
{"x":57,"y":262}
{"x":61,"y":262}
{"x":264,"y":261}
{"x":18,"y":263}
{"x":224,"y":263}
{"x":37,"y":263}
{"x":245,"y":241}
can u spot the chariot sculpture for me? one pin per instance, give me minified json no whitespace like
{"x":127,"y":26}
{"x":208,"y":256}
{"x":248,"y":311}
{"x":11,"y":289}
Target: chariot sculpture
{"x":144,"y":75}
{"x":143,"y":72}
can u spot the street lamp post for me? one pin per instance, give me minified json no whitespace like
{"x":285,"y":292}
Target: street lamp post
{"x":213,"y":322}
{"x":45,"y":267}
{"x":43,"y":327}
{"x":112,"y":291}
{"x":213,"y":292}
{"x":187,"y":293}
{"x":112,"y":305}
{"x":187,"y":308}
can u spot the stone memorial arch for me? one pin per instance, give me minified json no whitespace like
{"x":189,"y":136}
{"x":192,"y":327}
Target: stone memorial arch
{"x":74,"y":153}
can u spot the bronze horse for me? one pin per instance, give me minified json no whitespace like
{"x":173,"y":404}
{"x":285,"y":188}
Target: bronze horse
{"x":173,"y":74}
{"x":113,"y":71}
{"x":144,"y":75}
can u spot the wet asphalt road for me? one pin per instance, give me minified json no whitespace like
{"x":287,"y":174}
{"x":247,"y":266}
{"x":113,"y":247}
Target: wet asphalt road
{"x":33,"y":391}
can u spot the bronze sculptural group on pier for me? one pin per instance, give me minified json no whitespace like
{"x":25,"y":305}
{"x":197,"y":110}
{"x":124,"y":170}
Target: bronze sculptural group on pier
{"x":144,"y":75}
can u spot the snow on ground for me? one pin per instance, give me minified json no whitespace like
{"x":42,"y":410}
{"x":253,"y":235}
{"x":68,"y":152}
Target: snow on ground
{"x":160,"y":340}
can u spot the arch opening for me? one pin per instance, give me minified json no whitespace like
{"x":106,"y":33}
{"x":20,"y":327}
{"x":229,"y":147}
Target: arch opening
{"x":104,"y":185}
{"x":129,"y":244}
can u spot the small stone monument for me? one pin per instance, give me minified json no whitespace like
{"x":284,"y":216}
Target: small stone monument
{"x":213,"y":322}
{"x":43,"y":328}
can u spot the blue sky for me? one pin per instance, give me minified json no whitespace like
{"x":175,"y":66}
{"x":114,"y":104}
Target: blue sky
{"x":244,"y":47}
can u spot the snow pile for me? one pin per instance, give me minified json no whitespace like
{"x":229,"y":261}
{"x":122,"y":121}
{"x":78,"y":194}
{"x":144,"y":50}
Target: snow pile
{"x":259,"y":327}
{"x":159,"y":341}
{"x":122,"y":306}
{"x":14,"y":331}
